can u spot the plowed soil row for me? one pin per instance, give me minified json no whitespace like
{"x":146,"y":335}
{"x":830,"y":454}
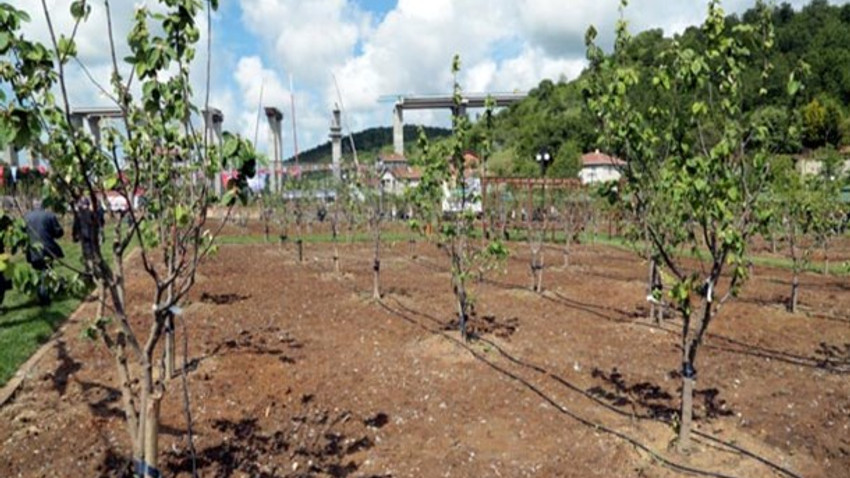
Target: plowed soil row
{"x":295,"y":371}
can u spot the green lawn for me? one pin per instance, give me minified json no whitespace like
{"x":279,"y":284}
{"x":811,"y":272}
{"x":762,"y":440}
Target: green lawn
{"x":25,"y":325}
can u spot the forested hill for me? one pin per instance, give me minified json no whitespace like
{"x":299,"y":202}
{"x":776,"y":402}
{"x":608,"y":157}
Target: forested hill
{"x":369,"y":142}
{"x":554,"y":115}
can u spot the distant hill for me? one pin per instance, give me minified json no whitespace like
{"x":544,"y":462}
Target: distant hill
{"x":369,"y":142}
{"x":554,"y":115}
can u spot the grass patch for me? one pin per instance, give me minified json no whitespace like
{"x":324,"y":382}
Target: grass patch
{"x":25,"y":325}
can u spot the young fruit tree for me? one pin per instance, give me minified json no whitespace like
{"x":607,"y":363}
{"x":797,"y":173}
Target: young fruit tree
{"x":691,"y":171}
{"x":154,"y":159}
{"x":445,"y":182}
{"x":376,"y":199}
{"x":805,"y":212}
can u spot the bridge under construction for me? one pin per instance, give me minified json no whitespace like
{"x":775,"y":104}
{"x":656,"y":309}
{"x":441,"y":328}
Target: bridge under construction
{"x":443,"y":102}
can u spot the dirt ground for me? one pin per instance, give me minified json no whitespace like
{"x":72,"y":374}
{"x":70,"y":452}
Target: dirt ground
{"x":295,"y":371}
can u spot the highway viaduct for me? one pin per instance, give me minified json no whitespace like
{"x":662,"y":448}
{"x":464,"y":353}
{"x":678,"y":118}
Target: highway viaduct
{"x":437,"y":102}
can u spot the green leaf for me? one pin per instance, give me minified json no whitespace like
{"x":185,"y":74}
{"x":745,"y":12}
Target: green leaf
{"x":181,"y":215}
{"x":80,"y":10}
{"x":5,"y":41}
{"x":231,"y":144}
{"x":110,"y":182}
{"x":229,"y":197}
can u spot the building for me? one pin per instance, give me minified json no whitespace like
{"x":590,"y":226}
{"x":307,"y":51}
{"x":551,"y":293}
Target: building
{"x":598,"y":167}
{"x":469,"y":196}
{"x":810,"y":167}
{"x":398,"y":176}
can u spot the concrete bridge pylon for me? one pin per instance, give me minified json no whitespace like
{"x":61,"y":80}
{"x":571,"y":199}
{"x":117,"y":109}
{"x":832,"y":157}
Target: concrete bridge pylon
{"x":441,"y":102}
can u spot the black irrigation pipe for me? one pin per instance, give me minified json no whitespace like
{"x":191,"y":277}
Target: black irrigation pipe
{"x":608,"y":406}
{"x":596,"y":426}
{"x":634,"y":442}
{"x":734,"y":346}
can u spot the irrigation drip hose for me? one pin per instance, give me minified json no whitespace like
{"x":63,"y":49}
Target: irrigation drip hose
{"x":597,"y":426}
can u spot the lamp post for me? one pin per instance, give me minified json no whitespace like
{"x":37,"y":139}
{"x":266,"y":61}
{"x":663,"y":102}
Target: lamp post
{"x":544,"y":159}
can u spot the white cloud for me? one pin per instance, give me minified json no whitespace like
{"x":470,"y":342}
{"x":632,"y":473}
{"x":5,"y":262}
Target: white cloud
{"x":307,"y":39}
{"x":505,"y":46}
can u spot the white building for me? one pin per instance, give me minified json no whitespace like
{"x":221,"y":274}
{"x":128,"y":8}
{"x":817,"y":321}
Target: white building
{"x":398,"y":175}
{"x":598,"y":167}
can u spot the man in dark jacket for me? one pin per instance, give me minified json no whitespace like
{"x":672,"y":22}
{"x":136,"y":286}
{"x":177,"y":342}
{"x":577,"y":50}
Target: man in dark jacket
{"x":86,"y":230}
{"x":43,"y":229}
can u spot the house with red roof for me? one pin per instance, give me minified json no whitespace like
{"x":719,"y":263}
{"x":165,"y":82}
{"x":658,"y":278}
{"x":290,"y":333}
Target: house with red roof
{"x":597,"y":167}
{"x":398,"y":175}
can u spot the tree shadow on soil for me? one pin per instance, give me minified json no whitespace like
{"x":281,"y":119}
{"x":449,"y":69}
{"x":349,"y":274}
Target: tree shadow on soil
{"x":648,"y":400}
{"x":114,"y":464}
{"x":647,"y":393}
{"x":100,"y":399}
{"x":825,"y":357}
{"x":67,"y":367}
{"x":830,"y":358}
{"x":320,"y":443}
{"x":262,"y":342}
{"x":477,"y":326}
{"x":222,"y":299}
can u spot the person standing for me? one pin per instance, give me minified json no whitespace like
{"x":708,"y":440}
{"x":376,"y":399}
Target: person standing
{"x":43,"y":229}
{"x":86,"y":228}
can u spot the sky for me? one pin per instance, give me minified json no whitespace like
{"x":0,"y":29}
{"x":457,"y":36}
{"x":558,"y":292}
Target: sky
{"x":363,"y":54}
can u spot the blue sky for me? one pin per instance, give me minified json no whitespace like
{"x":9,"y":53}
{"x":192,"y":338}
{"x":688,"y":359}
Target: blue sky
{"x":373,"y":49}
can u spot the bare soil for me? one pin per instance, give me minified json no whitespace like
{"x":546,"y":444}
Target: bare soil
{"x":295,"y":371}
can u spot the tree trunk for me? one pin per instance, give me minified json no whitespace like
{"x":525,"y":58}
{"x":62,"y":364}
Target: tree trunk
{"x":650,"y":288}
{"x":825,"y":258}
{"x":687,"y":414}
{"x":300,"y":244}
{"x":656,"y":303}
{"x":536,"y":270}
{"x":128,"y":402}
{"x":795,"y":268}
{"x":376,"y":279}
{"x":795,"y":285}
{"x":376,"y":263}
{"x":540,"y":274}
{"x":691,"y":339}
{"x":457,"y":248}
{"x":151,"y":441}
{"x":266,"y":226}
{"x":336,"y":259}
{"x":461,"y":306}
{"x":169,"y":347}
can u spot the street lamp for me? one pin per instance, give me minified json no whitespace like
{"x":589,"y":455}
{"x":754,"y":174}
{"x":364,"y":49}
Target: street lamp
{"x":544,"y":159}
